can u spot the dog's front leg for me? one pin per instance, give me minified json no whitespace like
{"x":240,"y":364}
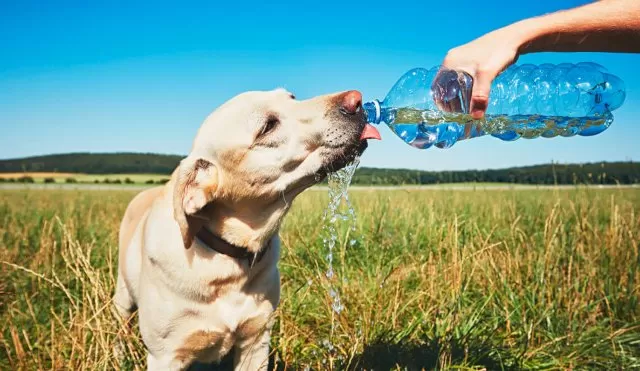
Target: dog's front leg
{"x":165,"y":364}
{"x":253,"y":354}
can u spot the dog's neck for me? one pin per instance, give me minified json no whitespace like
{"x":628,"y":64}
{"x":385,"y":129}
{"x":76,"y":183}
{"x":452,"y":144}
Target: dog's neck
{"x":221,"y":246}
{"x":249,"y":228}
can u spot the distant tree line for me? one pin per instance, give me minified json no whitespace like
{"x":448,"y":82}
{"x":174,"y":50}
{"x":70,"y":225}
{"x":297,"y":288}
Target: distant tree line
{"x":49,"y":180}
{"x":592,"y":173}
{"x":29,"y":179}
{"x":94,"y":163}
{"x":148,"y":163}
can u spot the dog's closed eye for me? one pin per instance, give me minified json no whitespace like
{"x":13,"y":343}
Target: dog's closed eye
{"x":270,"y":124}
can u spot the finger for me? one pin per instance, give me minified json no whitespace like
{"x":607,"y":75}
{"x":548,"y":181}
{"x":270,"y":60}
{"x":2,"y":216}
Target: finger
{"x":480,"y":93}
{"x":445,"y":89}
{"x":455,"y":105}
{"x":436,"y":89}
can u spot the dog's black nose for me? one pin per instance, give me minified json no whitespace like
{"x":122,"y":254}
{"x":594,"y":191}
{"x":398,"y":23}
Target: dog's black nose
{"x":351,"y":102}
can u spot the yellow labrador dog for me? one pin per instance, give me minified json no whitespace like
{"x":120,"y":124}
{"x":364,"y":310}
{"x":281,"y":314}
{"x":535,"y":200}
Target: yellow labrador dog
{"x":198,"y":256}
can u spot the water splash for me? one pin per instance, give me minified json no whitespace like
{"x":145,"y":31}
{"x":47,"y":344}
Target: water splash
{"x":339,"y":210}
{"x":338,"y":193}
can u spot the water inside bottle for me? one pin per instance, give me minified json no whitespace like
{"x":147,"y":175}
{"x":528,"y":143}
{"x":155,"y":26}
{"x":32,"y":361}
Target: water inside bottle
{"x":424,"y":128}
{"x":429,"y":107}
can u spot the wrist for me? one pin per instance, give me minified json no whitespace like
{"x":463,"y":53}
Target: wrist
{"x":525,"y":34}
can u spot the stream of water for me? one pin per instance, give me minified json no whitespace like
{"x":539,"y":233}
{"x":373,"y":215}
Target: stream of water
{"x":339,"y":211}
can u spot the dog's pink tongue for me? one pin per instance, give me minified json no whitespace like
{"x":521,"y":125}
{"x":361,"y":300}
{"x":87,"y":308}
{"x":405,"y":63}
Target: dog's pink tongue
{"x":370,"y":132}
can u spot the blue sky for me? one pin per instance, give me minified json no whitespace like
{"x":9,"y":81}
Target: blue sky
{"x":84,"y":76}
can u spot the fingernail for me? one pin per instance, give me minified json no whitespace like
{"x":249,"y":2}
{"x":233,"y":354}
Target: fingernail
{"x":478,"y":107}
{"x":477,"y":114}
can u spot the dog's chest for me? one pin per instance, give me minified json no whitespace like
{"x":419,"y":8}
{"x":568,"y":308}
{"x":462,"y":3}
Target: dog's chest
{"x":211,"y":331}
{"x":215,"y":302}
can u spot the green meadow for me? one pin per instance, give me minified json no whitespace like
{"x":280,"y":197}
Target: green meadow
{"x":466,"y":280}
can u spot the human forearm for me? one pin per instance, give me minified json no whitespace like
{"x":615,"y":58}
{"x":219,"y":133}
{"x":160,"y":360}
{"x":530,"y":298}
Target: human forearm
{"x":604,"y":26}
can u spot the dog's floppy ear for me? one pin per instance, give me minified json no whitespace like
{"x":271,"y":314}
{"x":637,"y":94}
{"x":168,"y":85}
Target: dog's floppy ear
{"x":195,"y":186}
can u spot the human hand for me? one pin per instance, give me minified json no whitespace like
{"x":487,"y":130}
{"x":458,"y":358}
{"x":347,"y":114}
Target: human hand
{"x":482,"y":59}
{"x":606,"y":26}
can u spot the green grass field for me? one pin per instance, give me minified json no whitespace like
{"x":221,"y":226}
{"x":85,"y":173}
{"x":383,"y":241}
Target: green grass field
{"x":546,"y":279}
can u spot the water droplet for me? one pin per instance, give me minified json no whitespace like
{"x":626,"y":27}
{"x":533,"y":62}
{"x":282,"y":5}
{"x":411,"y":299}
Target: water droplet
{"x":329,"y":273}
{"x":337,"y":307}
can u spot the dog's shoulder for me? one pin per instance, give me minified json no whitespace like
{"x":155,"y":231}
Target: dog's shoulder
{"x":136,"y":209}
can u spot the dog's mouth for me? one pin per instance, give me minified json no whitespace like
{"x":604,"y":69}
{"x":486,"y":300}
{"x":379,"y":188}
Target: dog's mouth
{"x":342,"y":156}
{"x":336,"y":157}
{"x":339,"y":159}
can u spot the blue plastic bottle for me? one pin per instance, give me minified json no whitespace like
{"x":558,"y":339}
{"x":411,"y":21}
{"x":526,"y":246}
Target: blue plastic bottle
{"x":427,"y":108}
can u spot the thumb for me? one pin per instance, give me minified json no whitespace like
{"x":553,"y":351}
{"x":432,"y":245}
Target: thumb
{"x":480,"y":93}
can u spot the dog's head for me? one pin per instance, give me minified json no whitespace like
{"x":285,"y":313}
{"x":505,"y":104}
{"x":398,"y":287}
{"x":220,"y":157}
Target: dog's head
{"x":255,"y":153}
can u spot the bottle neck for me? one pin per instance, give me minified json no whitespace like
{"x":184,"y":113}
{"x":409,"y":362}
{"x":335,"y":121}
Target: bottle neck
{"x":373,"y":111}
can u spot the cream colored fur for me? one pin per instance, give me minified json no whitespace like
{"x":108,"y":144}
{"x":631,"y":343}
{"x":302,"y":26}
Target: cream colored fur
{"x":250,"y":158}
